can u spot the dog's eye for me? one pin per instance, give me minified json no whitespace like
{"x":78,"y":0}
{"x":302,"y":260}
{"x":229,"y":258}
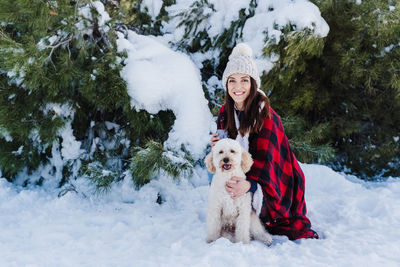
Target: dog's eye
{"x":220,"y":152}
{"x":233,"y":151}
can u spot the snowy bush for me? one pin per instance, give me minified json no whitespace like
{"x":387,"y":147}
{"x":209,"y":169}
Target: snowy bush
{"x":64,"y":106}
{"x":102,"y":89}
{"x":345,"y":88}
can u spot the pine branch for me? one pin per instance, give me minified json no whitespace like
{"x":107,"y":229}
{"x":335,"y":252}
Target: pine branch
{"x":101,"y":177}
{"x":153,"y":159}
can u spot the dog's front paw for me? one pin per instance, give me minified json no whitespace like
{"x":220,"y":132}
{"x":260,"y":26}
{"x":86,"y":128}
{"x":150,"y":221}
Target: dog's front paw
{"x":266,"y":239}
{"x":211,"y":237}
{"x":210,"y":240}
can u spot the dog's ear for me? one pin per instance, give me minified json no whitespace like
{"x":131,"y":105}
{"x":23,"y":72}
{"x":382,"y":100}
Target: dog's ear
{"x":247,"y":161}
{"x":209,"y":163}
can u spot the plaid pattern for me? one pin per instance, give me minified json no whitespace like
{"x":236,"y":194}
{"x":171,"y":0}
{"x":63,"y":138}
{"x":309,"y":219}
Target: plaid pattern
{"x":276,"y":169}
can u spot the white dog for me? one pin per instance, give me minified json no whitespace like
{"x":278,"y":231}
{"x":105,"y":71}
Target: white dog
{"x":231,"y":218}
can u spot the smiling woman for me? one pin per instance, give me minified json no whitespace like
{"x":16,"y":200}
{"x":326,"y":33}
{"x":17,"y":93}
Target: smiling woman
{"x":239,"y":89}
{"x":241,"y":81}
{"x":275,"y":178}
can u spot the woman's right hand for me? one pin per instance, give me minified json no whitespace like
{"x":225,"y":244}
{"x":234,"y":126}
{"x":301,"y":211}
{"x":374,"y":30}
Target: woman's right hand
{"x":214,"y":139}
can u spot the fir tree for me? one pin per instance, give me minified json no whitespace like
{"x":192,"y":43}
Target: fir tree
{"x":312,"y":147}
{"x":61,"y":88}
{"x":348,"y":82}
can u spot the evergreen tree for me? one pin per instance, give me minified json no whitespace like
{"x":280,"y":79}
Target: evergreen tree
{"x":134,"y":14}
{"x":64,"y":109}
{"x":347,"y":83}
{"x":308,"y":143}
{"x":197,"y":39}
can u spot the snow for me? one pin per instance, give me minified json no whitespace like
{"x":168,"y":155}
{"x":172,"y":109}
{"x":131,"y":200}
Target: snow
{"x":16,"y":77}
{"x":62,"y":154}
{"x":270,"y":17}
{"x":103,"y":17}
{"x":86,"y":13}
{"x":153,"y":7}
{"x":159,"y":78}
{"x":358,"y":223}
{"x":70,"y":147}
{"x":5,"y":134}
{"x":226,"y":12}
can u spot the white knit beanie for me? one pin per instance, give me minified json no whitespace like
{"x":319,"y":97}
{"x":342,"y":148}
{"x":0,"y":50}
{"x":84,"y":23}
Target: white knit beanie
{"x":241,"y":61}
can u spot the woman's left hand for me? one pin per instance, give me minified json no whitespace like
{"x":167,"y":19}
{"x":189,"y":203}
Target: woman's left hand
{"x":237,"y":187}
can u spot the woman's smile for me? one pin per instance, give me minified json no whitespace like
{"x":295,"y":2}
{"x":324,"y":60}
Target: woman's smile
{"x":239,"y":93}
{"x":239,"y":85}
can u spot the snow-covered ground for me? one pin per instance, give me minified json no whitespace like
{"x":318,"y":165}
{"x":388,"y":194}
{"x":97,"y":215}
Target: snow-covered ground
{"x":358,"y":223}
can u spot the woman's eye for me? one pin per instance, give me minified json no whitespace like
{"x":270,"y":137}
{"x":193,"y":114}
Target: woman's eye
{"x":245,"y":81}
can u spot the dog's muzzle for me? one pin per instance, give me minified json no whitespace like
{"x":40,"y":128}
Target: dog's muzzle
{"x":226,"y":166}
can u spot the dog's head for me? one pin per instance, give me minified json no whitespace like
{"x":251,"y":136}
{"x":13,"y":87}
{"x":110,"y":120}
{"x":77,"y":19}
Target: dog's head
{"x":226,"y":156}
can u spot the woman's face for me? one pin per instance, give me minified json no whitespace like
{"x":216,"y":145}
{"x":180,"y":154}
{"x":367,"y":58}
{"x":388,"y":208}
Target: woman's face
{"x":239,"y":85}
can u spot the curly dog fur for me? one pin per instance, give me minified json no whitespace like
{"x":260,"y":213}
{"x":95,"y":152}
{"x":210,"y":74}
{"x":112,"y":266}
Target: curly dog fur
{"x":231,"y":218}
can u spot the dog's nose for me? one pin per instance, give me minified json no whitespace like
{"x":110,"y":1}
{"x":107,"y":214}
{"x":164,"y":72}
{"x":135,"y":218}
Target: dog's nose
{"x":226,"y":160}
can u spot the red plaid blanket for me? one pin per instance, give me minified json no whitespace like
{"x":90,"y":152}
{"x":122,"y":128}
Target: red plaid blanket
{"x":276,"y":169}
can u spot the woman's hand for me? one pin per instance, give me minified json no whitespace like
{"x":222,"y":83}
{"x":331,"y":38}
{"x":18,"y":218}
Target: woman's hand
{"x":214,"y":139}
{"x":237,"y":187}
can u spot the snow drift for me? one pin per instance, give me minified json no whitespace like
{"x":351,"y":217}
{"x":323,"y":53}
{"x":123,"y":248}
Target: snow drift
{"x":357,"y":221}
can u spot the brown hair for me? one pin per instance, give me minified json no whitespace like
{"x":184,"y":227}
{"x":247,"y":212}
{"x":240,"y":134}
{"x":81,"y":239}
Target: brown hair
{"x":252,"y":119}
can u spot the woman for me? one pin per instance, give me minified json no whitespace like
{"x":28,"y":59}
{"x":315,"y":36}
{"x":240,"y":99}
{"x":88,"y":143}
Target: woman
{"x":275,"y":178}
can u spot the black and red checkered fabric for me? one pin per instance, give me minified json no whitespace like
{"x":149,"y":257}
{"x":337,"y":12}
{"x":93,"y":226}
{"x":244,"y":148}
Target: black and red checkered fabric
{"x":276,"y":169}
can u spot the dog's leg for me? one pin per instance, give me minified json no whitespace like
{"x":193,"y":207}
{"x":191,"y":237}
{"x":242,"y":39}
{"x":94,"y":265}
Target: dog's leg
{"x":258,"y":231}
{"x":214,"y":224}
{"x":242,"y":232}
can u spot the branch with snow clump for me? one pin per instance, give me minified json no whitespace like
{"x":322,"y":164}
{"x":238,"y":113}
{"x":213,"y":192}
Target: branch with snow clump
{"x":159,"y":78}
